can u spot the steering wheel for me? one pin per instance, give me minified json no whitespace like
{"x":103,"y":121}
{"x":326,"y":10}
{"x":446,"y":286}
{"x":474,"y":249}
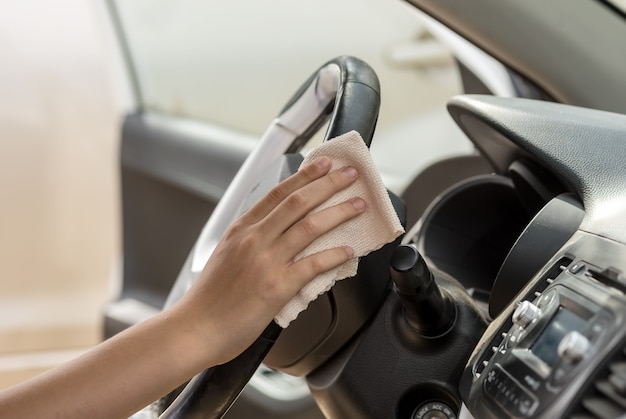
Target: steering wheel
{"x":347,"y":91}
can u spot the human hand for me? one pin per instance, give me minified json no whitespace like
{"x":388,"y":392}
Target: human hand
{"x":251,"y":274}
{"x":246,"y":282}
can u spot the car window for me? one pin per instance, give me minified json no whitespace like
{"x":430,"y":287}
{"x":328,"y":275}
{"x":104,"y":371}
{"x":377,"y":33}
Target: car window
{"x":237,"y":63}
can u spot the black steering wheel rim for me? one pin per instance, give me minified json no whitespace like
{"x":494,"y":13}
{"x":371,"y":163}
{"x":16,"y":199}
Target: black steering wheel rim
{"x":346,"y":90}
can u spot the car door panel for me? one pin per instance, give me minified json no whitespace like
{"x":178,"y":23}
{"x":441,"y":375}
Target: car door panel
{"x":173,"y":173}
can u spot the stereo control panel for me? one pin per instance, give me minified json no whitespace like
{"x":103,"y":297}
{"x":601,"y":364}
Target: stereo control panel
{"x":551,"y":347}
{"x":549,"y":341}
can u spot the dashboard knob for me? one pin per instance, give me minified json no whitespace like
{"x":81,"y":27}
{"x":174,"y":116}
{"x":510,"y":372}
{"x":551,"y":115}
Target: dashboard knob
{"x":525,"y":313}
{"x":573,"y":347}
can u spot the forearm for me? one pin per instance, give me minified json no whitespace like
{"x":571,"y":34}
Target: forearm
{"x":116,"y":378}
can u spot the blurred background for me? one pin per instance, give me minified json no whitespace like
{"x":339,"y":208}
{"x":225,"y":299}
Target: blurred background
{"x":65,"y":87}
{"x":59,"y":226}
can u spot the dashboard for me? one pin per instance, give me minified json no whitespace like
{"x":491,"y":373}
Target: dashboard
{"x":507,"y":299}
{"x":560,"y":346}
{"x":533,"y":258}
{"x":556,"y":344}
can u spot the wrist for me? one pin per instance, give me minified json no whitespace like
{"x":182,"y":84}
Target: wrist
{"x":187,"y":337}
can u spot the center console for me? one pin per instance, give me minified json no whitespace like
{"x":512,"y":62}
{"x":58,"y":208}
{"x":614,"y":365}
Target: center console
{"x":558,"y":350}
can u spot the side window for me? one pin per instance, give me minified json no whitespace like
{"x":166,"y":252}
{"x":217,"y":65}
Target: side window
{"x":237,"y":63}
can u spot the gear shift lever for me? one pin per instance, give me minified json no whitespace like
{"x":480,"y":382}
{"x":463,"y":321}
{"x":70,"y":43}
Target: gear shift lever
{"x":425,"y":308}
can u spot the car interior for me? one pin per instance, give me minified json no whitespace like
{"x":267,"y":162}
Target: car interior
{"x":505,"y":297}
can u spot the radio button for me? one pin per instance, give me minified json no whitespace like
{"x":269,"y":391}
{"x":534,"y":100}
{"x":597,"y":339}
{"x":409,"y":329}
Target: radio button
{"x":573,"y":347}
{"x":525,"y":313}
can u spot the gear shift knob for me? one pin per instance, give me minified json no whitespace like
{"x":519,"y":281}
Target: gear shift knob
{"x":425,"y":308}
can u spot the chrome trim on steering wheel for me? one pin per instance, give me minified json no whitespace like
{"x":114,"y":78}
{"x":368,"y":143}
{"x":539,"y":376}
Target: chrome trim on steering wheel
{"x":276,"y":140}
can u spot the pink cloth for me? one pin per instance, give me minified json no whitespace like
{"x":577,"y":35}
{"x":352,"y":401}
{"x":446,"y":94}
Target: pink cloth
{"x":378,"y":225}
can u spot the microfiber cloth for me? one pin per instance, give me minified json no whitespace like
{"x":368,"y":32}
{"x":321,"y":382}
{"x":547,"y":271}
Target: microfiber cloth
{"x":378,"y":225}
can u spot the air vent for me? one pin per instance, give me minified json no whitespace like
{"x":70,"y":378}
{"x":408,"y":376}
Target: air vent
{"x":546,"y":279}
{"x":606,"y":396}
{"x":495,"y":343}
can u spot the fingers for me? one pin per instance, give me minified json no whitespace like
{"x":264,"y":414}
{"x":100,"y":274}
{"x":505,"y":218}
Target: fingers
{"x":302,"y":177}
{"x":304,"y":270}
{"x":279,"y":225}
{"x":299,"y":203}
{"x":309,"y":228}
